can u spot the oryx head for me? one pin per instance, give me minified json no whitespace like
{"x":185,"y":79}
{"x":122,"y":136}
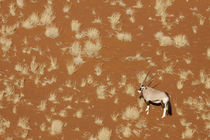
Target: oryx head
{"x":144,"y":85}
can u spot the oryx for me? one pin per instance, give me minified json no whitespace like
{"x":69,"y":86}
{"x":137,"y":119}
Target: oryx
{"x":154,"y":96}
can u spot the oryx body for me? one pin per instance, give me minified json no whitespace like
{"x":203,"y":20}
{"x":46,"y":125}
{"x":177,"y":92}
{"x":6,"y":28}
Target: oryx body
{"x":154,"y":96}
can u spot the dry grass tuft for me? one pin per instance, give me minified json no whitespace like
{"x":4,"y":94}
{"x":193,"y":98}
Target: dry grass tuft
{"x":23,"y":69}
{"x":42,"y":106}
{"x":71,"y":68}
{"x":180,"y":41}
{"x":164,"y":40}
{"x":91,"y":48}
{"x":75,"y":49}
{"x":100,"y":91}
{"x":78,"y":114}
{"x":104,"y":134}
{"x":205,"y":79}
{"x":31,"y":22}
{"x":12,"y":8}
{"x":52,"y":32}
{"x":75,"y":25}
{"x":188,"y":133}
{"x":123,"y":81}
{"x":20,"y":3}
{"x":5,"y":44}
{"x":130,"y":90}
{"x":208,"y":53}
{"x":93,"y":33}
{"x":47,"y":16}
{"x":56,"y":127}
{"x":124,"y":36}
{"x":23,"y":123}
{"x":98,"y":121}
{"x":114,"y":19}
{"x":161,"y":8}
{"x":131,"y":113}
{"x":98,"y":70}
{"x":53,"y":64}
{"x":4,"y":124}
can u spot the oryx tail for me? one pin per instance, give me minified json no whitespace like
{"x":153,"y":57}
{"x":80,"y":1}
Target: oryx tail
{"x":169,"y":105}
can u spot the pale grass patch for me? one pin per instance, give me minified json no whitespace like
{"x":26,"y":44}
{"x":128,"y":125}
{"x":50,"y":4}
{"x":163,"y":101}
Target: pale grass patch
{"x":66,"y":8}
{"x":207,"y":125}
{"x":23,"y":69}
{"x":71,"y":68}
{"x":90,"y":79}
{"x":132,"y":19}
{"x":67,"y":98}
{"x":104,"y":134}
{"x":123,"y":81}
{"x":205,"y":79}
{"x":208,"y":53}
{"x":93,"y":33}
{"x":37,"y":68}
{"x":163,"y":40}
{"x":98,"y":121}
{"x":195,"y":29}
{"x":97,"y":20}
{"x":53,"y":64}
{"x":78,"y":114}
{"x":179,"y":111}
{"x":23,"y":123}
{"x":31,"y":22}
{"x":131,"y":113}
{"x":142,"y":123}
{"x":4,"y":124}
{"x":83,"y":82}
{"x":205,"y":116}
{"x":98,"y":70}
{"x":188,"y":133}
{"x":184,"y":74}
{"x":42,"y":105}
{"x":56,"y":127}
{"x":43,"y":127}
{"x":8,"y":30}
{"x":53,"y":97}
{"x":113,"y":91}
{"x":20,"y":3}
{"x":141,"y":76}
{"x":101,"y":92}
{"x":114,"y":19}
{"x":51,"y":31}
{"x":12,"y":8}
{"x":75,"y":25}
{"x":161,"y":8}
{"x":47,"y":16}
{"x":80,"y":35}
{"x":75,"y":48}
{"x":129,"y":11}
{"x":141,"y":104}
{"x":78,"y":60}
{"x":124,"y":36}
{"x":5,"y":44}
{"x":137,"y":57}
{"x":63,"y":113}
{"x":116,"y":100}
{"x":138,"y":4}
{"x":126,"y":131}
{"x":194,"y":103}
{"x":115,"y":116}
{"x":91,"y":48}
{"x":130,"y":90}
{"x":180,"y":41}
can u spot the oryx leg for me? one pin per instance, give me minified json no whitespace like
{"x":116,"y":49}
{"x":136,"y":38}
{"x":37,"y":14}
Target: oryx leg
{"x":147,"y":109}
{"x":164,"y":105}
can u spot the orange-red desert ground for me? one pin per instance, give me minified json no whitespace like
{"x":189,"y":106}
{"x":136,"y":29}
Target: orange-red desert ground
{"x":70,"y":69}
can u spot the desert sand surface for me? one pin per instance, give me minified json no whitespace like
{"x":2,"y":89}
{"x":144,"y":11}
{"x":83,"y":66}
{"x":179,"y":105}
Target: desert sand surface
{"x":70,"y":69}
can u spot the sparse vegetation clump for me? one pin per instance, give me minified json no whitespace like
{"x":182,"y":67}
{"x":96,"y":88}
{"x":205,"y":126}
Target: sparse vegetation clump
{"x":52,"y":32}
{"x":131,"y":113}
{"x":124,"y":36}
{"x":104,"y":133}
{"x":56,"y":127}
